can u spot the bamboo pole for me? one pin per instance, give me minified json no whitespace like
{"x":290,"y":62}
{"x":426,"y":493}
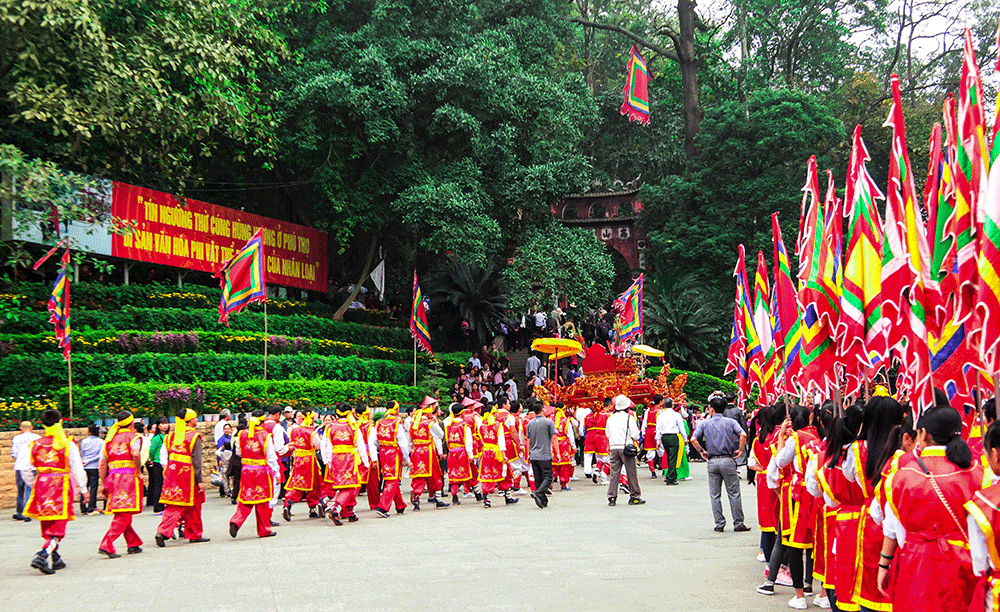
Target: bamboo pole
{"x":414,"y":362}
{"x":69,"y":368}
{"x":267,"y":338}
{"x":979,"y":404}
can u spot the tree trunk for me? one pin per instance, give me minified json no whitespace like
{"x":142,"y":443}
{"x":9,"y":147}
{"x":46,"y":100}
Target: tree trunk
{"x":689,"y":75}
{"x":339,"y":315}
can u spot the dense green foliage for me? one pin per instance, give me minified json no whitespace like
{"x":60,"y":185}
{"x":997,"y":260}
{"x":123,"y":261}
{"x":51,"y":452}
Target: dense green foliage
{"x":698,"y":385}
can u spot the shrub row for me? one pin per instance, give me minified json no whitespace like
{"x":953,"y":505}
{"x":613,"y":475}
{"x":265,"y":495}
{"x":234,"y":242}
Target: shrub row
{"x":102,"y":400}
{"x":98,"y":296}
{"x":153,"y":319}
{"x":698,"y":386}
{"x":135,"y":342}
{"x":28,"y":375}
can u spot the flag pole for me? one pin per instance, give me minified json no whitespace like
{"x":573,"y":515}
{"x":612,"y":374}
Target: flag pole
{"x":979,"y":404}
{"x":266,"y":337}
{"x":414,"y":362}
{"x":69,"y":368}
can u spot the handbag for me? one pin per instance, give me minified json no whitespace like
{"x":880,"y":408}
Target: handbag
{"x":630,"y":449}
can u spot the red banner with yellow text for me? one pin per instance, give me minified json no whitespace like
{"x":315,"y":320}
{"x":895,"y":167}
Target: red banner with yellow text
{"x":200,"y":236}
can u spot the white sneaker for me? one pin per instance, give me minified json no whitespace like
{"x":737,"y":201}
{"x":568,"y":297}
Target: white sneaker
{"x":689,"y":478}
{"x":469,"y":495}
{"x":784,"y":577}
{"x":760,"y":557}
{"x":799,"y":603}
{"x":572,"y":478}
{"x":822,"y":602}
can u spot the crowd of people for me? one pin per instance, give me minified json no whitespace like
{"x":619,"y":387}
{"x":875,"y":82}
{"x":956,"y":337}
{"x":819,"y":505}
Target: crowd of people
{"x":870,"y":510}
{"x":273,"y":460}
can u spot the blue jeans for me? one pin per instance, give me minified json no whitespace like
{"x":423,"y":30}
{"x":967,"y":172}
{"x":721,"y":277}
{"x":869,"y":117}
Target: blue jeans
{"x":23,"y":492}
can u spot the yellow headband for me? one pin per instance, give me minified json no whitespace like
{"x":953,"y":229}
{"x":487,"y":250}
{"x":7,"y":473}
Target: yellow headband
{"x":120,"y":425}
{"x":59,"y":440}
{"x":180,"y":425}
{"x":392,"y":407}
{"x":254,"y":423}
{"x":880,"y":391}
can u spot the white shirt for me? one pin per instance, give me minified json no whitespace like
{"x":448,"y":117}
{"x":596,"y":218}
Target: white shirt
{"x":217,"y":432}
{"x":543,"y":372}
{"x":532,"y":365}
{"x":669,"y":422}
{"x":438,"y":434}
{"x":278,"y":437}
{"x":511,"y":389}
{"x":581,"y":416}
{"x":474,"y":362}
{"x":20,"y":450}
{"x":539,"y":319}
{"x":75,"y":468}
{"x":487,"y":396}
{"x":621,"y":425}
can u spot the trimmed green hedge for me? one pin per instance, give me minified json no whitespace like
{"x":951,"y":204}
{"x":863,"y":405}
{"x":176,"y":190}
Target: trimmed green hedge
{"x":698,"y":385}
{"x":32,"y":374}
{"x":137,"y":342}
{"x":154,"y":319}
{"x":99,"y":296}
{"x":99,"y":400}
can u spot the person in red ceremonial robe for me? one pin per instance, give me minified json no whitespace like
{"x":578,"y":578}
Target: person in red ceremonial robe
{"x":760,"y":456}
{"x":282,"y":450}
{"x":649,"y":441}
{"x":925,"y":500}
{"x":257,"y":476}
{"x":423,"y":454}
{"x":595,"y":444}
{"x":370,"y":476}
{"x":494,"y":472}
{"x":55,"y":479}
{"x":984,"y":529}
{"x":975,"y":439}
{"x":564,"y":451}
{"x":458,"y":436}
{"x":864,"y":465}
{"x":389,"y":442}
{"x":183,"y":491}
{"x":472,"y":417}
{"x":345,"y":455}
{"x":517,"y":456}
{"x":119,"y":470}
{"x":305,"y":478}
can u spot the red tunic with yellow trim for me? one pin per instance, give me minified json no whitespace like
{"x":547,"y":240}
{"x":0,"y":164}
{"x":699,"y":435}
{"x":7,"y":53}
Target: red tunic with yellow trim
{"x":936,"y":554}
{"x":123,"y":484}
{"x":52,"y":495}
{"x":768,"y":504}
{"x":798,"y":507}
{"x":984,"y":508}
{"x":649,"y":441}
{"x":305,"y":474}
{"x":492,"y":467}
{"x":510,"y":447}
{"x":844,"y":536}
{"x":469,"y":416}
{"x":256,"y":477}
{"x":562,"y":452}
{"x":178,"y":477}
{"x":364,"y":426}
{"x":459,"y":462}
{"x":343,"y":472}
{"x":390,"y":457}
{"x":869,"y":546}
{"x":423,"y":454}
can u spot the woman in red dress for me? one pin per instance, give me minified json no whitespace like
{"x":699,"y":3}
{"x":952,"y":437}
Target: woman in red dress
{"x":925,"y":500}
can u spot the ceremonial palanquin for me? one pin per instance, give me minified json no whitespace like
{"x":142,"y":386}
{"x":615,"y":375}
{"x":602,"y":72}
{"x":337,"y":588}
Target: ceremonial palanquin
{"x":608,"y":376}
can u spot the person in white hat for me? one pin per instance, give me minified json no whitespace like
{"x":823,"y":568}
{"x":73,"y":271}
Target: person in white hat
{"x":622,"y":430}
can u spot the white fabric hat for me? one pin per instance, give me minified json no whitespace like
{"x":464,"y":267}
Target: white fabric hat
{"x":622,"y":403}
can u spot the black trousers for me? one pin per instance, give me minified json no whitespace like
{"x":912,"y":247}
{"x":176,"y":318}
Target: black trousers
{"x":155,"y":487}
{"x":542,"y":469}
{"x":93,"y":480}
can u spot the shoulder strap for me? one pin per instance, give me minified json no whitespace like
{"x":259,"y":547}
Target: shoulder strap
{"x":940,"y":495}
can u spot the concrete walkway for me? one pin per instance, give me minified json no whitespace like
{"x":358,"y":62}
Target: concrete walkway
{"x":577,"y":555}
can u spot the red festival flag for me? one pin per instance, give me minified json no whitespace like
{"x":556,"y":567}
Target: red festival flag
{"x":636,"y":104}
{"x":629,"y":309}
{"x":785,"y":314}
{"x":59,"y":306}
{"x":418,"y":319}
{"x":242,"y":278}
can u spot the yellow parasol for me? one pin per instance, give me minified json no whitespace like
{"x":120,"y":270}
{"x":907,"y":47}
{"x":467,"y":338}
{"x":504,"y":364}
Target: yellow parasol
{"x":645,"y":349}
{"x":557,"y":348}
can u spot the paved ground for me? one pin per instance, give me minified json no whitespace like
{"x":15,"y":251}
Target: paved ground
{"x":579,"y":555}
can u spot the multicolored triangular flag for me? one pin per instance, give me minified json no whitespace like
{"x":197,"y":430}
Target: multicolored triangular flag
{"x":629,"y":309}
{"x":418,"y":319}
{"x":636,"y":104}
{"x":59,"y":306}
{"x":242,"y":278}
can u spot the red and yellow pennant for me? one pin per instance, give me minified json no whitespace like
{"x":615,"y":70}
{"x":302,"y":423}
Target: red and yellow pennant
{"x":636,"y":104}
